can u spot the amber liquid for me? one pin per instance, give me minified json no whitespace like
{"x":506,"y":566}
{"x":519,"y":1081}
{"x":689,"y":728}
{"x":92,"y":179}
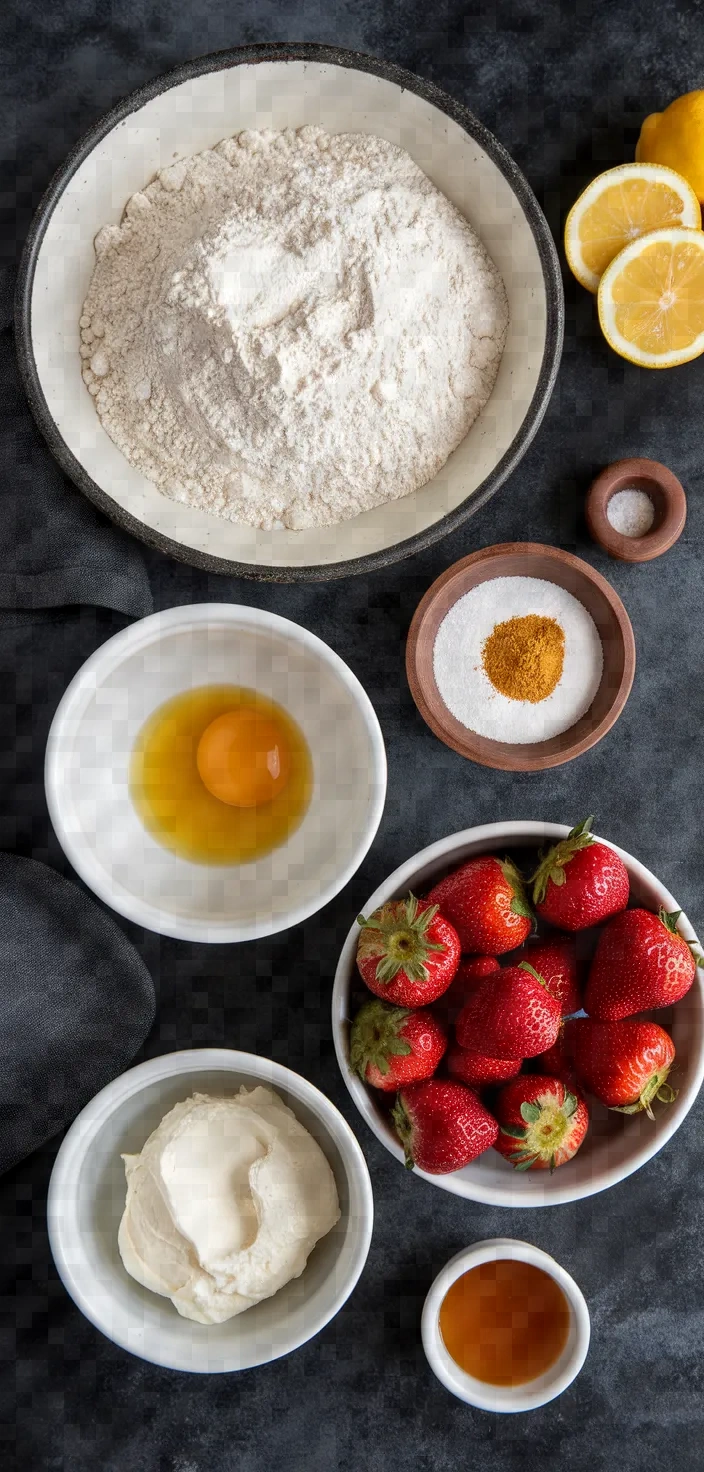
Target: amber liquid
{"x":175,"y":805}
{"x":505,"y":1322}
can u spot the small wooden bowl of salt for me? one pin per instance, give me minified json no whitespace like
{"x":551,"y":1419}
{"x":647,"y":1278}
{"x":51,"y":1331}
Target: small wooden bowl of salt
{"x":636,"y":509}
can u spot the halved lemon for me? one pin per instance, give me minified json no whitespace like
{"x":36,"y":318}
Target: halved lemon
{"x":651,"y":299}
{"x":618,"y":207}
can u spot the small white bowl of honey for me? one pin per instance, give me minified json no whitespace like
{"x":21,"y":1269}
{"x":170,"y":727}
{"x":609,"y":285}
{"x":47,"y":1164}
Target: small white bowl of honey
{"x":215,"y":773}
{"x":504,"y":1327}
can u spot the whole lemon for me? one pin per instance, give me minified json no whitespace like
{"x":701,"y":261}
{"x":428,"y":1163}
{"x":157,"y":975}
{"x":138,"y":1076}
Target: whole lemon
{"x":676,"y":137}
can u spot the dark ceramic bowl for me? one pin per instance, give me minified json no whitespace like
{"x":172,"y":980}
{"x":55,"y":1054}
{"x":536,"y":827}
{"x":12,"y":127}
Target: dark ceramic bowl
{"x":278,"y":86}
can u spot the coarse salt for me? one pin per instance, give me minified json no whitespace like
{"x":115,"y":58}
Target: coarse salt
{"x":630,"y":512}
{"x":465,"y":687}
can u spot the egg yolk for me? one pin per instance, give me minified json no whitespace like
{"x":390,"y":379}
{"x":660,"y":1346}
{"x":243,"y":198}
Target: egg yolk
{"x":243,"y":758}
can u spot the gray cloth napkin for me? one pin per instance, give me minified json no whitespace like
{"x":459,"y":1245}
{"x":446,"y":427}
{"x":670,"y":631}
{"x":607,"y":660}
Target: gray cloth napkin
{"x":55,"y":547}
{"x":76,"y":1003}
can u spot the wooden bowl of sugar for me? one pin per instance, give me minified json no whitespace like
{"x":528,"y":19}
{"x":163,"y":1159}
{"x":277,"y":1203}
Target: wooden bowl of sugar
{"x":520,"y":596}
{"x":635,"y":509}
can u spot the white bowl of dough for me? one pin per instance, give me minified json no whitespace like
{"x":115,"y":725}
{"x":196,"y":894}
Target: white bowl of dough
{"x":615,"y":1146}
{"x":87,"y":1196}
{"x":89,"y":753}
{"x":187,"y":113}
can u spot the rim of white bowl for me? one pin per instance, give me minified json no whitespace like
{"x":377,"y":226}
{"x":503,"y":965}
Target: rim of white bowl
{"x":487,"y":1397}
{"x":72,"y":706}
{"x":561,"y":1191}
{"x":62,"y":1225}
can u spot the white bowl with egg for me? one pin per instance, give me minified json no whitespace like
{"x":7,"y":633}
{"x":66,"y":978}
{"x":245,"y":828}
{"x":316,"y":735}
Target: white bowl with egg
{"x":287,"y":86}
{"x":506,"y":1398}
{"x":615,"y":1146}
{"x":87,"y":1199}
{"x":93,"y":736}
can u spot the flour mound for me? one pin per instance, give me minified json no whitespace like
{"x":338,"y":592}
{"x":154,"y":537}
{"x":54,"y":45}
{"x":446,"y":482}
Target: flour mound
{"x":291,"y":328}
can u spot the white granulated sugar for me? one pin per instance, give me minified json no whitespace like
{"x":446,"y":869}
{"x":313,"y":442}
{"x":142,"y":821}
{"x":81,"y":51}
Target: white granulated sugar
{"x":291,"y":328}
{"x":467,"y":690}
{"x":631,"y":513}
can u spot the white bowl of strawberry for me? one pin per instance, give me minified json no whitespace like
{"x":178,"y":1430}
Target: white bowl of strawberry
{"x":519,"y":1014}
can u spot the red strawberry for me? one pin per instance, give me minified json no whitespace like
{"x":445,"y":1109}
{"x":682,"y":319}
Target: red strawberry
{"x":541,"y":1122}
{"x":478,"y":1071}
{"x":485,"y":901}
{"x":407,"y":953}
{"x":467,"y":978}
{"x":442,"y":1126}
{"x":641,"y":962}
{"x":580,"y":881}
{"x":511,"y":1015}
{"x":625,"y":1064}
{"x":557,"y":1060}
{"x":555,"y":959}
{"x":390,"y":1046}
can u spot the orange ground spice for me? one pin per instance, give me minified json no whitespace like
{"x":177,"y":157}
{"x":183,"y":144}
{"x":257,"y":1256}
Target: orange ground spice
{"x":523,"y":657}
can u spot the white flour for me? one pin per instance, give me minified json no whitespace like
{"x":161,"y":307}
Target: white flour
{"x":291,"y":328}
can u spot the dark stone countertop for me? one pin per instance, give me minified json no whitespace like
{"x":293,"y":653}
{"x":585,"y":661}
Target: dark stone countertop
{"x":565,"y":88}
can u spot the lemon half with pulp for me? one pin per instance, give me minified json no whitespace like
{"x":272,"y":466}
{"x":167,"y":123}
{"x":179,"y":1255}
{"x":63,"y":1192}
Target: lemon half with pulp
{"x":651,"y":299}
{"x":619,"y":206}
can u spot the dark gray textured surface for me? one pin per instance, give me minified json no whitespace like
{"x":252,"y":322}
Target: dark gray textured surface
{"x":565,"y":89}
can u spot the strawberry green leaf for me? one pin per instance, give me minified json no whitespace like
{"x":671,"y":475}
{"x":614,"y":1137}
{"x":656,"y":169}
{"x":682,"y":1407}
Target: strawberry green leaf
{"x":526,"y":966}
{"x":670,"y":919}
{"x":514,"y":1131}
{"x":519,"y":904}
{"x":571,"y":1104}
{"x":404,"y":1130}
{"x":530,"y":1113}
{"x":666,"y":1094}
{"x":583,"y":827}
{"x":375,"y":1035}
{"x":403,"y":944}
{"x":551,"y":865}
{"x":524,"y":1164}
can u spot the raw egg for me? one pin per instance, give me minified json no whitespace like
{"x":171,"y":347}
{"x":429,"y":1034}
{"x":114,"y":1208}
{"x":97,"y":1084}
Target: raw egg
{"x":243,"y":757}
{"x":221,"y":775}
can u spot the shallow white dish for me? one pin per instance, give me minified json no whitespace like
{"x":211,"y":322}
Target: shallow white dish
{"x":192,"y":109}
{"x":87,"y":1197}
{"x":615,"y":1146}
{"x":93,"y":734}
{"x":499,"y":1397}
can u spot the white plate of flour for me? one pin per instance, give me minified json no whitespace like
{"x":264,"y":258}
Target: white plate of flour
{"x":314,"y":529}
